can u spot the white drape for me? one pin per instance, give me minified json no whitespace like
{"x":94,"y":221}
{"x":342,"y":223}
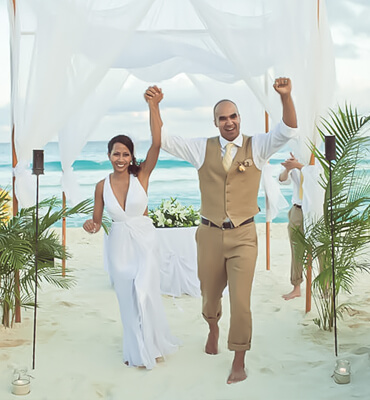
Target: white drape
{"x":76,"y":133}
{"x":60,"y":77}
{"x":76,"y":42}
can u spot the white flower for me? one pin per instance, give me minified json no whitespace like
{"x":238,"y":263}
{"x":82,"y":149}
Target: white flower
{"x":171,"y":213}
{"x":161,"y":220}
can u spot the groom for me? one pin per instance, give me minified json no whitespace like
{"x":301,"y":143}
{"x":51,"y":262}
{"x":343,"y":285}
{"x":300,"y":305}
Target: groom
{"x":229,"y":168}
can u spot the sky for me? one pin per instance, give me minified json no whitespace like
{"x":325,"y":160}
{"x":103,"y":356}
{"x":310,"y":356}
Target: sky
{"x":350,"y":29}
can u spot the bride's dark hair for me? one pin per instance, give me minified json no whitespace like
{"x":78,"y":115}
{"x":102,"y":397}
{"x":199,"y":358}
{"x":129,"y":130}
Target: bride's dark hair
{"x":133,"y":168}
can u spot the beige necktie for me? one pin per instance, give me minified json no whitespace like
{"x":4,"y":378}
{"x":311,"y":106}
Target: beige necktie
{"x":301,"y":186}
{"x":227,"y":160}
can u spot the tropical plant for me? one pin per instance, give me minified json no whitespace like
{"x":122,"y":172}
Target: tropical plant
{"x":18,"y":249}
{"x":172,"y":214}
{"x":348,"y":210}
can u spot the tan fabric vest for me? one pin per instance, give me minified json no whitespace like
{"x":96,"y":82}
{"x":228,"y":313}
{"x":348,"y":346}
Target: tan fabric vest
{"x":230,"y":194}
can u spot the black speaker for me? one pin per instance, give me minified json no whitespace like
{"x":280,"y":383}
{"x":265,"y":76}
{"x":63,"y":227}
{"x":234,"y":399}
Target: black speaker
{"x":330,"y":147}
{"x":38,"y":162}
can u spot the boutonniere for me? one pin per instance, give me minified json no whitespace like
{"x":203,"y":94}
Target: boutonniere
{"x":243,"y":164}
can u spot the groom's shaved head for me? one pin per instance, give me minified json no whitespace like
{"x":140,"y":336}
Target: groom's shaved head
{"x":220,"y":102}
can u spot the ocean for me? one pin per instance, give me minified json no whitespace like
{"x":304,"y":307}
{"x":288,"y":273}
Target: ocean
{"x":171,"y":177}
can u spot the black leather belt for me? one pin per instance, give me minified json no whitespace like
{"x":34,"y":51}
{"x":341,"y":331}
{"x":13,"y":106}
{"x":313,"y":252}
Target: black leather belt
{"x":225,"y":225}
{"x":297,"y":205}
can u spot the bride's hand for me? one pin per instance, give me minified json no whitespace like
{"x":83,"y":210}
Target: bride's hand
{"x":90,"y":226}
{"x":153,"y":95}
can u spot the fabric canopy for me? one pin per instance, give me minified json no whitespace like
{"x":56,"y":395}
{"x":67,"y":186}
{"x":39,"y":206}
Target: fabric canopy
{"x":70,"y":58}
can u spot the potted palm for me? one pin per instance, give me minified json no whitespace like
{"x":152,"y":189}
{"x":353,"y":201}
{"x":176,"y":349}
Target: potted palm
{"x":17,"y":251}
{"x":350,"y":208}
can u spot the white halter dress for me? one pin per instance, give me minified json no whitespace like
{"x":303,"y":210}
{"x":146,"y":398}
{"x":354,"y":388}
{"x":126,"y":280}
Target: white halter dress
{"x":131,"y":256}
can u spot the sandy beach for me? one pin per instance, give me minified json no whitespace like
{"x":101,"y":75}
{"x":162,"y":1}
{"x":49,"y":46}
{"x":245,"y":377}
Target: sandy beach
{"x":79,"y":337}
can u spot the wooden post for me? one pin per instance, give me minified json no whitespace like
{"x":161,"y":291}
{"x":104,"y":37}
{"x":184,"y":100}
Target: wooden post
{"x":64,"y":234}
{"x":308,"y":284}
{"x":267,"y":222}
{"x":15,"y":202}
{"x":309,"y":265}
{"x":15,"y":211}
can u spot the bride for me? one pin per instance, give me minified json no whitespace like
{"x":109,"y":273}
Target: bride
{"x":131,"y":250}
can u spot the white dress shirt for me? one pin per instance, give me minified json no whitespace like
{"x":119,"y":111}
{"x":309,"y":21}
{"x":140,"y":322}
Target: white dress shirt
{"x":264,"y":145}
{"x":294,"y":178}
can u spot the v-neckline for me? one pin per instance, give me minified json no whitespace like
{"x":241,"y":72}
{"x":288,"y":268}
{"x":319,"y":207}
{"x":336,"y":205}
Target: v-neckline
{"x":114,"y":195}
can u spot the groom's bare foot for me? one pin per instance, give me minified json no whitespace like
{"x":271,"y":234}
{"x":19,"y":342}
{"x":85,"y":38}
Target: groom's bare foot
{"x":238,"y":373}
{"x":212,"y":341}
{"x":296,"y":292}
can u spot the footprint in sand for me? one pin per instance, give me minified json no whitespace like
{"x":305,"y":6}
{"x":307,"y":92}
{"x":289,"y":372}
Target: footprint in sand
{"x":267,"y":371}
{"x":4,"y":357}
{"x":67,"y":304}
{"x":13,"y":343}
{"x":362,"y":350}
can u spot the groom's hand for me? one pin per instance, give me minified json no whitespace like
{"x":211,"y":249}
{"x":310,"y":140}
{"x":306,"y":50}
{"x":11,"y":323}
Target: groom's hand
{"x":283,"y":86}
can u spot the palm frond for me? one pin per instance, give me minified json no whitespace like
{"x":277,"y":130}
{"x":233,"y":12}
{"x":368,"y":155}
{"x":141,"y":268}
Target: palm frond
{"x":350,"y":209}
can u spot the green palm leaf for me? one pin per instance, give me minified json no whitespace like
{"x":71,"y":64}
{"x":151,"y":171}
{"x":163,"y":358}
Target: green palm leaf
{"x":350,"y":208}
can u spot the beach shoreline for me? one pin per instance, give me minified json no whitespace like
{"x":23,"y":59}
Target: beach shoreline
{"x":79,"y":338}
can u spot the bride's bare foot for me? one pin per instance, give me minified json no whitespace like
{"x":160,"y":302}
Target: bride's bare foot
{"x":296,"y":292}
{"x":137,"y":366}
{"x":212,"y":341}
{"x":159,"y":359}
{"x":238,"y":373}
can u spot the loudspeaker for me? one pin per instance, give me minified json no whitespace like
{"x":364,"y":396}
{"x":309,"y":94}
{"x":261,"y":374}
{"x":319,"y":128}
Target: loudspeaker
{"x":38,"y":162}
{"x":330,"y":147}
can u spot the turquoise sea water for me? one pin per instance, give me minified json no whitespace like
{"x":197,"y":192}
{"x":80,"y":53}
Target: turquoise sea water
{"x":171,"y":177}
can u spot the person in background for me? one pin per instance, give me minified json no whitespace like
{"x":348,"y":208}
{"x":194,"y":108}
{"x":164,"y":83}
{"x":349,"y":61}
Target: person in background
{"x":292,"y":174}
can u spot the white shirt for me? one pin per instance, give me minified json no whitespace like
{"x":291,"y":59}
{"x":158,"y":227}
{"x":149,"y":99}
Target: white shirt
{"x":264,"y":145}
{"x":294,"y":177}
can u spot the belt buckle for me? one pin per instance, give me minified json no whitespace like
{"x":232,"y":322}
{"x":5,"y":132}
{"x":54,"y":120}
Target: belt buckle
{"x":227,"y":225}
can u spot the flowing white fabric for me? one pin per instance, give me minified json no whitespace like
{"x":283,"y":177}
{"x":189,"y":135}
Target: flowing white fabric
{"x":74,"y":43}
{"x":313,"y":195}
{"x":178,"y":261}
{"x":56,"y":73}
{"x":132,"y":255}
{"x":82,"y":125}
{"x":275,"y":201}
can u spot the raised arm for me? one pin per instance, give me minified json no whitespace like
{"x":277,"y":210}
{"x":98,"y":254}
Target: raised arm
{"x":284,"y":87}
{"x":153,"y":95}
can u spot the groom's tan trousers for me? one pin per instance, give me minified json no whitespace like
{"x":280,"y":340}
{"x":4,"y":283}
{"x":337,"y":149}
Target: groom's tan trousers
{"x":228,"y":257}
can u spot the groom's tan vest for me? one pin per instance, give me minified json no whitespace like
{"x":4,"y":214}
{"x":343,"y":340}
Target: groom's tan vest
{"x":230,"y":194}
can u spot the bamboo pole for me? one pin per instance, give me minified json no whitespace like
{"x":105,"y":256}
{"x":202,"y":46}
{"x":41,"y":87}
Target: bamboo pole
{"x":64,"y":234}
{"x":267,"y":222}
{"x":309,"y":265}
{"x":14,"y":197}
{"x":15,"y":211}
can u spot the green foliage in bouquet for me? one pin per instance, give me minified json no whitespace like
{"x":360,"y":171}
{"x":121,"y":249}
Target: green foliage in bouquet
{"x":171,"y":214}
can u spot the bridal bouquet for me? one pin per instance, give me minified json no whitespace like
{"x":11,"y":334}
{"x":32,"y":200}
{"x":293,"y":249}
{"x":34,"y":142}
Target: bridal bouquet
{"x":171,"y":214}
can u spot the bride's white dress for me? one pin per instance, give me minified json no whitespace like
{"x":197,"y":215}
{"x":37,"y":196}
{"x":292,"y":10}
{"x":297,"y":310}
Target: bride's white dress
{"x":132,"y":261}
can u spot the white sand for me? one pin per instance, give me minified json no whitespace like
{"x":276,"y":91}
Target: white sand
{"x":78,"y":351}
